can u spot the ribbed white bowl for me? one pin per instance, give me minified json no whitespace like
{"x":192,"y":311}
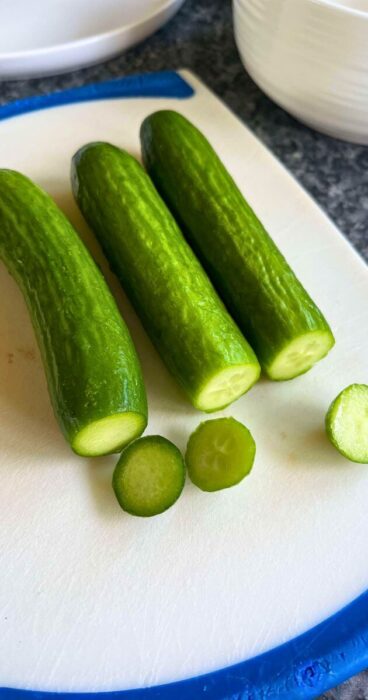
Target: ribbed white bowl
{"x":311,"y":57}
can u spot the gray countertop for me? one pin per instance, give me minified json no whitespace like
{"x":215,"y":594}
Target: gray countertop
{"x":336,"y":174}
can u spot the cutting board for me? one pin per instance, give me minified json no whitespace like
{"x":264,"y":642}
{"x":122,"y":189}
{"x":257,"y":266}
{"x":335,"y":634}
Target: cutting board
{"x":182,"y":605}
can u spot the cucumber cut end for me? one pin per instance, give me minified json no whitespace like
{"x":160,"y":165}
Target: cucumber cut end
{"x":347,"y":423}
{"x":226,"y":386}
{"x":220,"y":453}
{"x":300,"y":355}
{"x":149,"y":476}
{"x":109,"y":434}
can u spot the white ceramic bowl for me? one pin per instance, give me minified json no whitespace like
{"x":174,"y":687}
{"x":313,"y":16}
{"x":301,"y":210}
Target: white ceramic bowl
{"x":45,"y":37}
{"x":311,"y":57}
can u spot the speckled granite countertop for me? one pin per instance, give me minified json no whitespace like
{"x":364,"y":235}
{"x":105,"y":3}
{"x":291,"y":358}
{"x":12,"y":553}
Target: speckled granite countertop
{"x":336,"y":174}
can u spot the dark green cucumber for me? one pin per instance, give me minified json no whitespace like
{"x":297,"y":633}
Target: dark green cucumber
{"x":198,"y":340}
{"x":282,"y":323}
{"x":149,"y":476}
{"x":93,"y":373}
{"x":220,"y":453}
{"x":347,"y":423}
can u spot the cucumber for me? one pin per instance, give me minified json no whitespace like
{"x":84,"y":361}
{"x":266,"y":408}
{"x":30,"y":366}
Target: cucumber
{"x":149,"y":476}
{"x":93,"y":373}
{"x":220,"y":453}
{"x":285,"y":328}
{"x":200,"y":343}
{"x":347,"y":423}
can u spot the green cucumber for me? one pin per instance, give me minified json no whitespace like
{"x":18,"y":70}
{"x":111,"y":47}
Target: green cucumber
{"x":200,"y":343}
{"x":149,"y":476}
{"x":278,"y":317}
{"x":220,"y":453}
{"x":347,"y":423}
{"x":93,"y":373}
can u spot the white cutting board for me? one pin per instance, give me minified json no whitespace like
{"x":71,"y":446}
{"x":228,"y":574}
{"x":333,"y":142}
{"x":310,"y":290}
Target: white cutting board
{"x":92,"y":599}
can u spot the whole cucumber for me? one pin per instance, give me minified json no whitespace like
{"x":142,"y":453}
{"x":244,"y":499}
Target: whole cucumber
{"x":93,"y":373}
{"x":278,"y":317}
{"x":198,"y":340}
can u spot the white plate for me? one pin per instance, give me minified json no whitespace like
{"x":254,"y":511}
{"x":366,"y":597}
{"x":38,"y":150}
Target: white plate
{"x":43,"y":37}
{"x":93,"y":599}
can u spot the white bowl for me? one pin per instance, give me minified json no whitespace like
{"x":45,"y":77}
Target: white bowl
{"x":45,"y":37}
{"x":311,"y":57}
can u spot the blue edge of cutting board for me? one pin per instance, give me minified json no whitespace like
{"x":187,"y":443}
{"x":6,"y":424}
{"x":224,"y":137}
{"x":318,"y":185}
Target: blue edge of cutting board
{"x":304,"y":667}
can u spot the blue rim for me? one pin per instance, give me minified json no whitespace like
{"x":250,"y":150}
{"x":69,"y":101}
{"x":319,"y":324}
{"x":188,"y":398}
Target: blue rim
{"x":164,"y":84}
{"x":304,"y":667}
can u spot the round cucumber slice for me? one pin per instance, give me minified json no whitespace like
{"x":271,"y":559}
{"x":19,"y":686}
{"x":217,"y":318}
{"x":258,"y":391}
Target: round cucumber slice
{"x":227,"y":386}
{"x":220,"y":453}
{"x":300,"y":355}
{"x":109,"y":434}
{"x":347,"y":423}
{"x":149,"y":476}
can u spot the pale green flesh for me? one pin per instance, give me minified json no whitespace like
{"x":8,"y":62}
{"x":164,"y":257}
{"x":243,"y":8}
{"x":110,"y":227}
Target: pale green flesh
{"x":220,"y":453}
{"x":347,"y":423}
{"x":300,"y":355}
{"x":227,"y":386}
{"x":149,"y":476}
{"x":109,"y":434}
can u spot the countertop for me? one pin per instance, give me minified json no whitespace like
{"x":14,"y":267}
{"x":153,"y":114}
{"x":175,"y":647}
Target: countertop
{"x":200,"y":38}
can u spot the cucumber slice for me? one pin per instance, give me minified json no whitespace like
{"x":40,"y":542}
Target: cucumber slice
{"x":220,"y":453}
{"x":149,"y":476}
{"x":284,"y":326}
{"x":347,"y":423}
{"x":93,"y":372}
{"x":176,"y":302}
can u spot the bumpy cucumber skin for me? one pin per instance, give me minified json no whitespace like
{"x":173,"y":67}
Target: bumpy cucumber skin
{"x":89,"y":358}
{"x":166,"y":284}
{"x":330,"y":429}
{"x":165,"y":445}
{"x":259,"y":288}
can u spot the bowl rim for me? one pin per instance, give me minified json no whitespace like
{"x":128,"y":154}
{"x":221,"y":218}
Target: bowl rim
{"x":331,"y":4}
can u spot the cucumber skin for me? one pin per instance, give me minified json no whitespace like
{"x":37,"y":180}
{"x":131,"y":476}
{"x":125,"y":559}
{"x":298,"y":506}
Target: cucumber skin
{"x":89,"y":358}
{"x":252,"y":276}
{"x":171,"y":293}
